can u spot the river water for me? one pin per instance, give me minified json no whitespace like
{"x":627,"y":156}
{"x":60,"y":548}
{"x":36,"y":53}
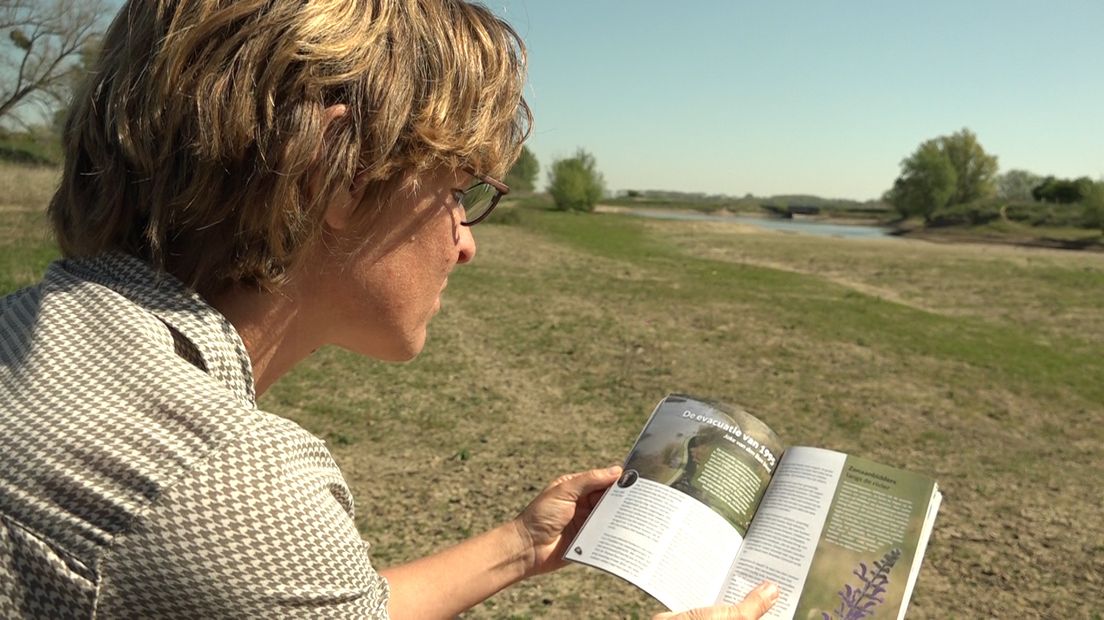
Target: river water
{"x":807,"y":227}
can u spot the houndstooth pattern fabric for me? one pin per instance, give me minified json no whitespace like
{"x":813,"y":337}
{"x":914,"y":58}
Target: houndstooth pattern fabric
{"x":138,"y":478}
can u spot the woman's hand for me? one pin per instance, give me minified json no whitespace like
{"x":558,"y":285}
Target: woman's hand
{"x":757,"y":603}
{"x":548,"y":525}
{"x":551,"y":521}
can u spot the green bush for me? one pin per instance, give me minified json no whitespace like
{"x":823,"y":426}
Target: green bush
{"x":575,"y":183}
{"x":981,"y":212}
{"x":969,"y":214}
{"x":1039,"y":214}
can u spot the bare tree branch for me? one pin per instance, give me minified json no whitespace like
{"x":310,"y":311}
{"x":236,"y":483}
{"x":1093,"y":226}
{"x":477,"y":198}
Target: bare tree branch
{"x":45,"y":40}
{"x":14,"y":13}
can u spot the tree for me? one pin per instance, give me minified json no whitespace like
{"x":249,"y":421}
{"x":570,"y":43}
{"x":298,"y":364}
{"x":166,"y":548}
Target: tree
{"x":927,"y":182}
{"x":46,"y":38}
{"x":1062,"y":191}
{"x":975,"y":170}
{"x":575,"y":183}
{"x":1017,"y":184}
{"x":944,"y":171}
{"x":77,"y":74}
{"x":523,"y":176}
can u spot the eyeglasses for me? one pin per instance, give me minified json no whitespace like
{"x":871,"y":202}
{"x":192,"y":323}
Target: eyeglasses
{"x":481,"y":198}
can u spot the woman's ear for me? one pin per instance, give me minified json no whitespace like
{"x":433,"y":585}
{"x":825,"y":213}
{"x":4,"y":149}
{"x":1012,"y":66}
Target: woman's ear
{"x":340,"y":209}
{"x":334,"y":112}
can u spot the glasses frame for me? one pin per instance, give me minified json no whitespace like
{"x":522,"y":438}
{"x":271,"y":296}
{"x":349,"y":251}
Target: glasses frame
{"x":500,"y":188}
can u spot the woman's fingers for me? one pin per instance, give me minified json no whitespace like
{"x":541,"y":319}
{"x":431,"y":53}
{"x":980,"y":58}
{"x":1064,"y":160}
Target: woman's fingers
{"x":757,"y":603}
{"x":575,"y":486}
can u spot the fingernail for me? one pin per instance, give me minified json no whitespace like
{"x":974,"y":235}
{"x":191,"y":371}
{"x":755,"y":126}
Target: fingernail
{"x":614,"y":469}
{"x":771,"y":592}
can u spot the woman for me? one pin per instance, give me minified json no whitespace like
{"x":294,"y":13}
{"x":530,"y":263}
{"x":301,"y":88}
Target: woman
{"x":246,"y":181}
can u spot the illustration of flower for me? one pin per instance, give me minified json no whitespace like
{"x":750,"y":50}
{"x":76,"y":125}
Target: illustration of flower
{"x":858,"y":603}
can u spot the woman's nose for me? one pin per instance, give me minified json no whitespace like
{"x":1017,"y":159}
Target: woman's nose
{"x":465,"y":245}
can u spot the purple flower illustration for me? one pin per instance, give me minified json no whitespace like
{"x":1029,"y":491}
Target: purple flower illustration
{"x":859,"y":602}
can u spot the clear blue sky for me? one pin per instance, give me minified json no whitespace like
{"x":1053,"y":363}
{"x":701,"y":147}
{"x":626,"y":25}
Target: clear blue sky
{"x":810,"y":97}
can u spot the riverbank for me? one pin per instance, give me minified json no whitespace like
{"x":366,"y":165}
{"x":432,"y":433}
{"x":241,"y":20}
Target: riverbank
{"x":1007,"y":233}
{"x":998,"y":233}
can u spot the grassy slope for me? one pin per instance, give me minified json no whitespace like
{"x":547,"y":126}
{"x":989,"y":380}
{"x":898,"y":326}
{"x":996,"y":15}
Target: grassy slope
{"x":980,"y":366}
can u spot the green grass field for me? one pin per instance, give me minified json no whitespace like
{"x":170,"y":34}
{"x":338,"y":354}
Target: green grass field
{"x":979,"y":365}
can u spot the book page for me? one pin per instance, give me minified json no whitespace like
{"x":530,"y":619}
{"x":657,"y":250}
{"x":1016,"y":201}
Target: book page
{"x":783,"y":538}
{"x":858,"y":552}
{"x":677,"y":517}
{"x":665,"y":543}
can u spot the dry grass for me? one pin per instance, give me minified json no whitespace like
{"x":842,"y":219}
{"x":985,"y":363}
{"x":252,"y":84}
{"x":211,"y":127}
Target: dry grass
{"x":1056,"y":292}
{"x":26,"y":188}
{"x":977,"y":365}
{"x":554,"y":345}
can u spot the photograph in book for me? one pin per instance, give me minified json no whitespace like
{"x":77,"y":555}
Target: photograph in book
{"x":868,"y":545}
{"x":721,"y":457}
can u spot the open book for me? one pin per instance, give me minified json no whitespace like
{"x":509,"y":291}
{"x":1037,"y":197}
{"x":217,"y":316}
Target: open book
{"x":712,"y":503}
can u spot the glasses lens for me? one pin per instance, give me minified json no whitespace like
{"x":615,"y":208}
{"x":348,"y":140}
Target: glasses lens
{"x":477,"y":200}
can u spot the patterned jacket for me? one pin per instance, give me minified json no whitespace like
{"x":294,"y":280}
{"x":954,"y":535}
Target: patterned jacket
{"x":139,"y":479}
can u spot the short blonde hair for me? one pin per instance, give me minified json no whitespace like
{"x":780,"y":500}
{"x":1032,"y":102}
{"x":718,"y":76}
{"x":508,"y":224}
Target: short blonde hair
{"x":200,"y":142}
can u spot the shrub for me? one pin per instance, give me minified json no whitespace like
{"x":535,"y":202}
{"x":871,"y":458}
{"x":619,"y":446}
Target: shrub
{"x":981,"y":212}
{"x":970,"y":214}
{"x":575,"y":183}
{"x":1037,"y":214}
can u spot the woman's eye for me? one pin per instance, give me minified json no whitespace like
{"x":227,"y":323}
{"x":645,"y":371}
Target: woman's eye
{"x":458,"y":196}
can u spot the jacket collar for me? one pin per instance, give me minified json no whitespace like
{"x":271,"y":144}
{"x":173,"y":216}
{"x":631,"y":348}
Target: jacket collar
{"x":222,"y":352}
